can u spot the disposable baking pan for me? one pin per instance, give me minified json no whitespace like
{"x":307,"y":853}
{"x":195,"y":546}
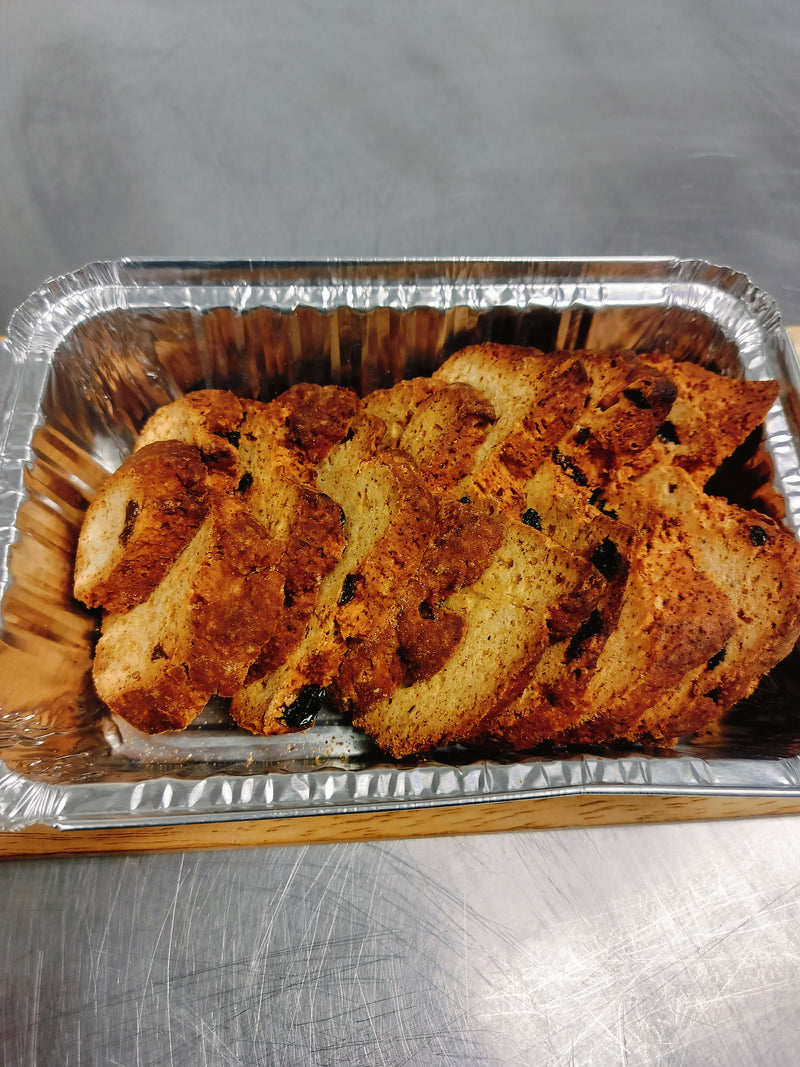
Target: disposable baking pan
{"x":89,"y":356}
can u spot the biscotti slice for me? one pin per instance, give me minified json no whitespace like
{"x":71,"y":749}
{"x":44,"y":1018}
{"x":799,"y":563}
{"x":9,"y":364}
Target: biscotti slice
{"x":629,"y":399}
{"x":657,"y":619}
{"x":389,"y":518}
{"x":507,"y":615}
{"x":588,"y":411}
{"x":267,"y":454}
{"x":673,"y":620}
{"x":209,"y":419}
{"x":574,"y":517}
{"x":439,"y":424}
{"x":200,"y":629}
{"x":143,"y":516}
{"x":536,"y":398}
{"x":282,"y":445}
{"x":711,"y":416}
{"x":420,"y":634}
{"x":756,"y":562}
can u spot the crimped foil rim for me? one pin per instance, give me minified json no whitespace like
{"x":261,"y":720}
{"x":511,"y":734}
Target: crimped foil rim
{"x":221,"y":798}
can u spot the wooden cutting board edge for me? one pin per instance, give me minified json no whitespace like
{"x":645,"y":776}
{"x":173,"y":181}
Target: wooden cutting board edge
{"x":544,"y":813}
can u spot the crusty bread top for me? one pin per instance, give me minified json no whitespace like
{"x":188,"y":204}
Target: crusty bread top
{"x":497,"y":553}
{"x":439,"y":424}
{"x":711,"y":416}
{"x":208,"y":419}
{"x":145,"y":514}
{"x":591,"y":410}
{"x":504,"y":613}
{"x":200,"y":629}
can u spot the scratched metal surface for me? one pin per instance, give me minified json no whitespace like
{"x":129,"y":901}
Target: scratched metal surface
{"x":455,"y":128}
{"x":559,"y":948}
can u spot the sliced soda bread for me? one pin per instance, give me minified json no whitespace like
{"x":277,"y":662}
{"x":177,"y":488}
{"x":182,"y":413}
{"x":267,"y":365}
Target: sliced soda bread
{"x":146,"y":513}
{"x":755,"y":561}
{"x":209,"y":419}
{"x":439,"y":424}
{"x":506,"y":614}
{"x":201,"y":627}
{"x":711,"y":416}
{"x":388,"y":519}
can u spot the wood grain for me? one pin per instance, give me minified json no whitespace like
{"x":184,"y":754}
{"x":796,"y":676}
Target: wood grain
{"x":543,"y":813}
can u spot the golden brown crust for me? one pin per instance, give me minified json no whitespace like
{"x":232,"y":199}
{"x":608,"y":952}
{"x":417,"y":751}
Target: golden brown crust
{"x":441,"y":425}
{"x":388,"y":519}
{"x":211,"y":420}
{"x":420,"y":634}
{"x":711,"y":416}
{"x":148,"y":510}
{"x":512,"y":551}
{"x":200,"y":629}
{"x":755,"y":563}
{"x":312,"y":548}
{"x":505,"y":614}
{"x":232,"y":627}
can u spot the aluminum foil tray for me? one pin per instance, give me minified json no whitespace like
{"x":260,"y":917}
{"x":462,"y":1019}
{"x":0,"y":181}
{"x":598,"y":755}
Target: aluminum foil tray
{"x":88,"y":358}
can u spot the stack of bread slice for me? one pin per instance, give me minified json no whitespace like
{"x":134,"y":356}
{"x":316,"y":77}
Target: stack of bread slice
{"x":517,"y":549}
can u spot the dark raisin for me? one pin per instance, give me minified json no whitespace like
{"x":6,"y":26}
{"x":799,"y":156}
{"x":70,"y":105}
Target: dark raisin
{"x":304,"y":709}
{"x":233,"y":436}
{"x":158,"y":653}
{"x":585,"y":632}
{"x":667,"y":433}
{"x":713,"y":694}
{"x":607,"y":559}
{"x":596,"y":502}
{"x":637,"y":398}
{"x":288,"y":598}
{"x":758,"y":535}
{"x":716,"y":660}
{"x":569,"y":467}
{"x":531,"y":518}
{"x":425,"y":610}
{"x":348,"y":589}
{"x":245,"y":482}
{"x":350,"y":434}
{"x":464,"y":500}
{"x":131,"y":515}
{"x":583,"y":435}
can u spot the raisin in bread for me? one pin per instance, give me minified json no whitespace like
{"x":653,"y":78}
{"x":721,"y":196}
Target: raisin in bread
{"x":755,"y":562}
{"x":146,"y":513}
{"x":710,"y":418}
{"x":510,"y":614}
{"x":389,"y":518}
{"x":200,"y":629}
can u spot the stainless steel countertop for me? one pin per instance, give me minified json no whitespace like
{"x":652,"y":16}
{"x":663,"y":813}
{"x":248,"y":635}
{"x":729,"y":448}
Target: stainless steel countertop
{"x":294,"y":129}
